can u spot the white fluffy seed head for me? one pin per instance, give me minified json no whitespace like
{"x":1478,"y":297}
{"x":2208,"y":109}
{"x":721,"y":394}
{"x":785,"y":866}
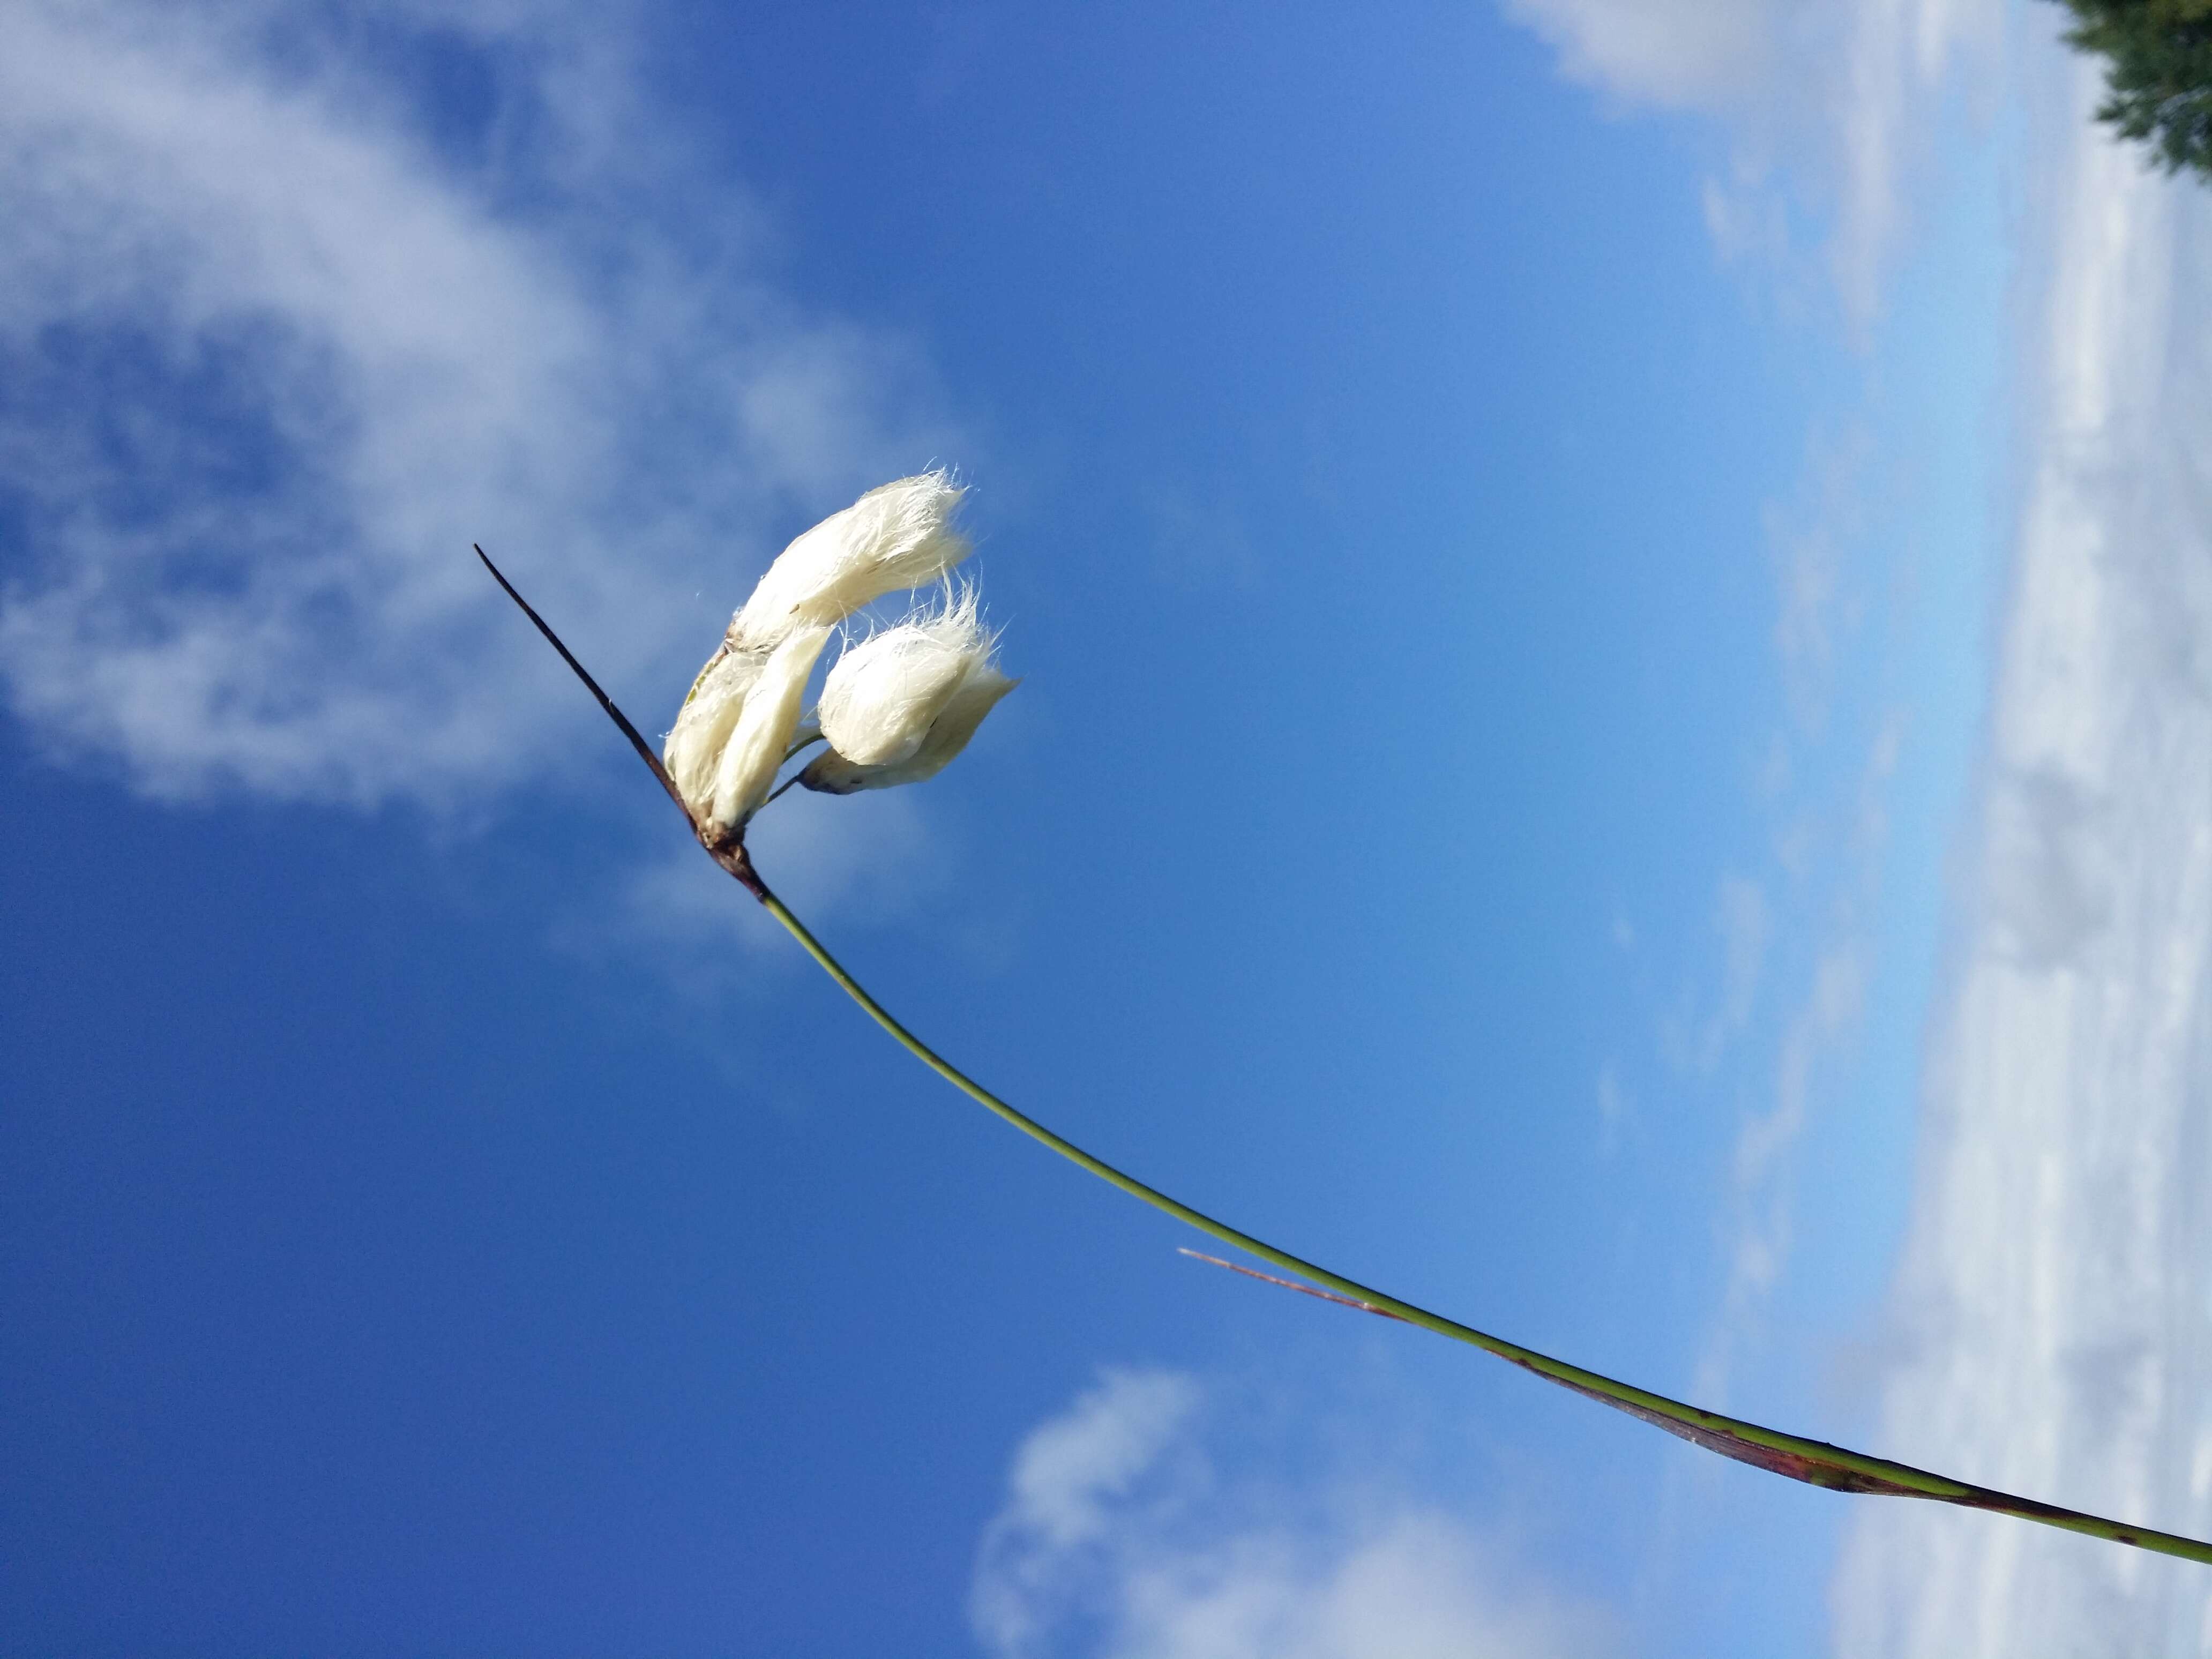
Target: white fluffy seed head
{"x":694,"y":749}
{"x":880,"y":700}
{"x":746,"y":768}
{"x":898,"y":536}
{"x":833,"y":774}
{"x":899,"y":706}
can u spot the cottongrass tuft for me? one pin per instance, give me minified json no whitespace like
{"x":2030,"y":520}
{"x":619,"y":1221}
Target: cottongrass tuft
{"x":763,"y":733}
{"x":898,"y":707}
{"x":693,"y":749}
{"x":743,"y":715}
{"x":898,"y":536}
{"x":880,"y":700}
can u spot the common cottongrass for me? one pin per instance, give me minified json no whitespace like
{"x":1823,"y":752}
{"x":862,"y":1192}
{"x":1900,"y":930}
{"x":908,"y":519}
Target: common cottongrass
{"x":903,"y":703}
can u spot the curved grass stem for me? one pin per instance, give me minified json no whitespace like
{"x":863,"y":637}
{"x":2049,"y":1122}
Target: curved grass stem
{"x":1814,"y":1461}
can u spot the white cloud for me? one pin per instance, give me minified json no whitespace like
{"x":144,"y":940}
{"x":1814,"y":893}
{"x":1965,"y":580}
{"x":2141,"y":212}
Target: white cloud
{"x":1696,"y":55}
{"x":1827,"y":109}
{"x":1121,"y":1536}
{"x":2051,"y":1329}
{"x":1072,"y":1468}
{"x":274,"y":354}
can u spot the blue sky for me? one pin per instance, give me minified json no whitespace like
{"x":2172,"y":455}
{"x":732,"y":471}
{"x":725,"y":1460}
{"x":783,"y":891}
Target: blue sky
{"x":1608,"y":596}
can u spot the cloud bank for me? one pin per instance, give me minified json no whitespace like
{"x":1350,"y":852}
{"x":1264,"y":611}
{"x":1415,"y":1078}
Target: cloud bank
{"x":277,"y":344}
{"x":2052,"y":1311}
{"x":1119,"y":1538}
{"x":2050,"y":1329}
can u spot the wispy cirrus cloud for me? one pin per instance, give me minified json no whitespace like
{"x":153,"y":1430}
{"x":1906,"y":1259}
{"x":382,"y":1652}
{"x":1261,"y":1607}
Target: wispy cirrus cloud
{"x":1821,"y":113}
{"x":1819,"y":1026}
{"x":1120,"y":1536}
{"x":276,"y":343}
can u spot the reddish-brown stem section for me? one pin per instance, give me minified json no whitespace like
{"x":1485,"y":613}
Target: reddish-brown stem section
{"x":1293,"y":1285}
{"x":733,"y":857}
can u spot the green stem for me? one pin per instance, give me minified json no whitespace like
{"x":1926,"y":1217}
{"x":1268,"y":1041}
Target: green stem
{"x":1813,"y":1461}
